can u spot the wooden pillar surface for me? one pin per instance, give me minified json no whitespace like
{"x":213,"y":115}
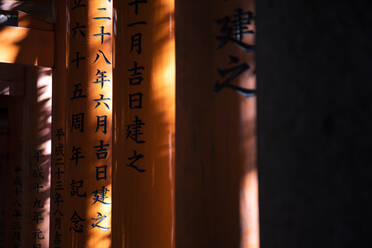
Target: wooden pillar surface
{"x":216,"y":182}
{"x":88,"y":129}
{"x":13,"y":158}
{"x":144,"y":124}
{"x":37,"y":124}
{"x":6,"y":176}
{"x":13,"y":178}
{"x":215,"y":192}
{"x":59,"y":187}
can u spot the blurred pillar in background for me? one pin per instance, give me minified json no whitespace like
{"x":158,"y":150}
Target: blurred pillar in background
{"x":216,"y":178}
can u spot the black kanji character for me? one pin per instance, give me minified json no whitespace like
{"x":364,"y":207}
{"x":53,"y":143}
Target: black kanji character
{"x":100,"y":196}
{"x":102,"y":122}
{"x":75,"y":188}
{"x":77,"y":60}
{"x":37,"y":172}
{"x":78,"y":4}
{"x":76,"y":223}
{"x":57,"y":223}
{"x":76,"y":154}
{"x":57,"y":238}
{"x":59,"y":173}
{"x":102,"y":34}
{"x":234,"y":29}
{"x":38,"y":155}
{"x":37,"y":187}
{"x":136,"y":4}
{"x":101,"y":99}
{"x":134,"y":131}
{"x":37,"y":217}
{"x":59,"y":151}
{"x":136,"y":43}
{"x":59,"y":185}
{"x":58,"y":198}
{"x":133,"y":159}
{"x":232,"y":73}
{"x":60,"y":133}
{"x":98,"y":220}
{"x":38,"y":234}
{"x":136,"y":76}
{"x":79,"y":28}
{"x":77,"y":122}
{"x":101,"y":150}
{"x":135,"y":100}
{"x":38,"y":204}
{"x":78,"y":92}
{"x":58,"y":213}
{"x":101,"y":172}
{"x":102,"y":17}
{"x":104,"y":57}
{"x":101,"y":79}
{"x":137,"y":23}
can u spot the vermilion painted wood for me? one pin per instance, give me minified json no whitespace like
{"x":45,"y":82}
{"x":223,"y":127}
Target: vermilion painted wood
{"x":216,"y":183}
{"x":26,"y":46}
{"x":88,"y":46}
{"x":59,"y":224}
{"x":143,"y":202}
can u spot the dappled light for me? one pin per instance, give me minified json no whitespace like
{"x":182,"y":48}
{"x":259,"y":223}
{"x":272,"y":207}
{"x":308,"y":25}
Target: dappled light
{"x":121,"y":150}
{"x":40,"y":99}
{"x":144,"y":195}
{"x":249,"y":212}
{"x":10,"y":39}
{"x":27,"y":92}
{"x":90,"y":73}
{"x":27,"y":45}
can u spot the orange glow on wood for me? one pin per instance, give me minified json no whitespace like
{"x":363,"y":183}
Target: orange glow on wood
{"x":26,"y":46}
{"x":38,"y":89}
{"x":59,"y":223}
{"x":144,"y":200}
{"x":90,"y":99}
{"x":216,"y":183}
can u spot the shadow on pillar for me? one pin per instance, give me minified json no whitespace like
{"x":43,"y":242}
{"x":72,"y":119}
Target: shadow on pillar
{"x":38,"y":130}
{"x":211,"y":161}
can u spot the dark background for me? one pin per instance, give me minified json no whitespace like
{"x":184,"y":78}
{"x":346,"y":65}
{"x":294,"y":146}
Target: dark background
{"x":314,"y":77}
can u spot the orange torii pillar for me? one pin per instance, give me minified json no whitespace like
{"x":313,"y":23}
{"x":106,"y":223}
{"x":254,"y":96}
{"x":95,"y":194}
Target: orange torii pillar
{"x":31,"y":43}
{"x":13,"y":175}
{"x":193,"y":182}
{"x":216,"y":182}
{"x":144,"y":124}
{"x":59,"y":221}
{"x":190,"y":185}
{"x":87,"y":207}
{"x":37,"y":119}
